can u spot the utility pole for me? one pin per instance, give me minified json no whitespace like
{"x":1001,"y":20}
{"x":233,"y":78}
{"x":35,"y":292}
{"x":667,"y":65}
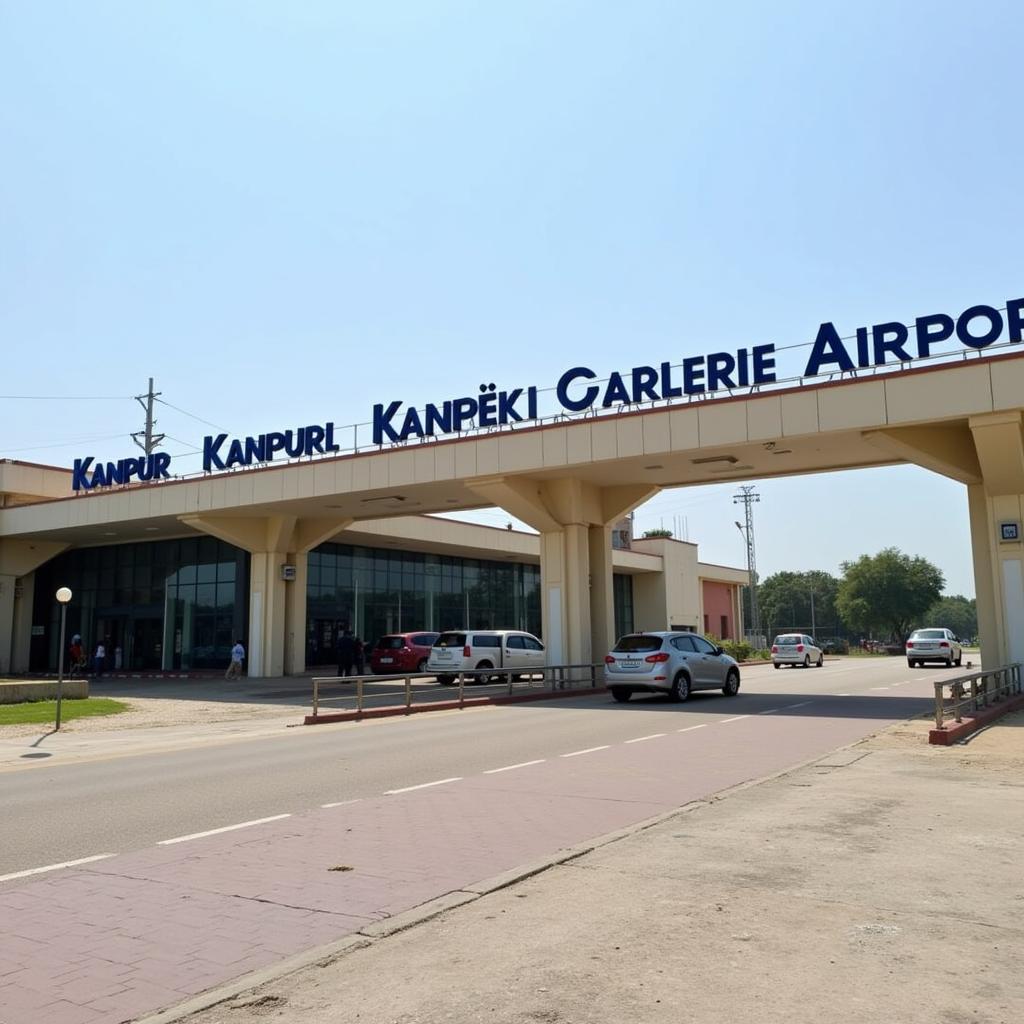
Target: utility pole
{"x":149,"y":440}
{"x":747,"y":497}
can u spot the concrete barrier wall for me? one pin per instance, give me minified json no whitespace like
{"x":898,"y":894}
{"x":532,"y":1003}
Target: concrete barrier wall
{"x":16,"y":693}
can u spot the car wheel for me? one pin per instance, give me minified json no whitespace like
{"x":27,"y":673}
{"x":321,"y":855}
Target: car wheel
{"x":680,"y":688}
{"x":422,"y":666}
{"x":445,"y":680}
{"x":732,"y":683}
{"x":807,"y":661}
{"x":621,"y":694}
{"x":911,"y":663}
{"x":775,"y":664}
{"x":821,"y":660}
{"x":484,"y":679}
{"x":959,"y":659}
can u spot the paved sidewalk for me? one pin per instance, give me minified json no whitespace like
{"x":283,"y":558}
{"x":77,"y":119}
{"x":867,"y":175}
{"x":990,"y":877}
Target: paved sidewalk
{"x":882,"y":883}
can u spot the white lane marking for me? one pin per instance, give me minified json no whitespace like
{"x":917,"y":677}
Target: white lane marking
{"x":640,"y":739}
{"x":690,"y":728}
{"x":218,"y":831}
{"x":509,"y":767}
{"x":589,"y":750}
{"x":843,"y":695}
{"x":342,"y":803}
{"x":422,"y":785}
{"x":879,"y":687}
{"x":802,"y":704}
{"x":726,"y":721}
{"x":770,"y":711}
{"x":56,"y":867}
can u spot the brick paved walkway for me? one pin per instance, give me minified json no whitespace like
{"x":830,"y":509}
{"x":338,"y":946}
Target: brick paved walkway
{"x":124,"y":937}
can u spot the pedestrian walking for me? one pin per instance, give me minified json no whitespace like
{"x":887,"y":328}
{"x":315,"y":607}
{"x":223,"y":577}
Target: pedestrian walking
{"x":346,"y":653}
{"x":76,"y":656}
{"x":98,"y":659}
{"x":237,"y":657}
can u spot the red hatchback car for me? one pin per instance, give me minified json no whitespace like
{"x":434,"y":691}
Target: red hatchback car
{"x":402,"y":652}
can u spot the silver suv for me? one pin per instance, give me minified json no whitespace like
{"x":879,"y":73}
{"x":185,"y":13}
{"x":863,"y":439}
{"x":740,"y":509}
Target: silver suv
{"x":672,"y":663}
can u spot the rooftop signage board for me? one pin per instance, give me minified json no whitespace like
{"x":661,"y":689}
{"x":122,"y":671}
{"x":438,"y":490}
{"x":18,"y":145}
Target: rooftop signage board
{"x":579,"y":390}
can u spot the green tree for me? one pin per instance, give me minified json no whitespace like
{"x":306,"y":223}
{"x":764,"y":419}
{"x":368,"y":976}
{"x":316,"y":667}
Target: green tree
{"x":785,"y":599}
{"x":957,"y":613}
{"x":885,"y":594}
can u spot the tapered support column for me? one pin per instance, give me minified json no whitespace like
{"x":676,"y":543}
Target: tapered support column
{"x":18,"y":561}
{"x":277,"y":607}
{"x":574,"y":520}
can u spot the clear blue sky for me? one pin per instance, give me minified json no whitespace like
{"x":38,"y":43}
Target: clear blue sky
{"x":288,"y":212}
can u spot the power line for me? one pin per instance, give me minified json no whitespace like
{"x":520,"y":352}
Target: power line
{"x":65,"y":398}
{"x":191,"y":415}
{"x":65,"y":444}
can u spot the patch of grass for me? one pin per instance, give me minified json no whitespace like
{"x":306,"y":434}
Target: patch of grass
{"x":41,"y":711}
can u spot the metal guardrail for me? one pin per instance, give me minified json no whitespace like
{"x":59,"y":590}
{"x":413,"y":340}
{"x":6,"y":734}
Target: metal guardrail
{"x":983,"y":688}
{"x":551,"y":677}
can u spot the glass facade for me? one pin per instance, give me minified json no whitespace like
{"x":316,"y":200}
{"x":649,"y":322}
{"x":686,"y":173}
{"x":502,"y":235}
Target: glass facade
{"x":178,"y":605}
{"x":162,"y":605}
{"x":374,"y":591}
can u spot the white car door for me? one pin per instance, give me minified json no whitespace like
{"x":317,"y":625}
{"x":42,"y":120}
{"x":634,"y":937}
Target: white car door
{"x":534,"y":655}
{"x":514,"y":654}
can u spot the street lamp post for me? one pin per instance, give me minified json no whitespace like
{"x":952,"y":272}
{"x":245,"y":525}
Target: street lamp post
{"x":63,"y":596}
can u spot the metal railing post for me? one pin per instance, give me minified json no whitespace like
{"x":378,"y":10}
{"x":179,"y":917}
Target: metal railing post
{"x":359,"y":694}
{"x":408,"y":694}
{"x":509,"y":674}
{"x":957,"y":697}
{"x":462,"y":688}
{"x":316,"y":695}
{"x":939,"y":711}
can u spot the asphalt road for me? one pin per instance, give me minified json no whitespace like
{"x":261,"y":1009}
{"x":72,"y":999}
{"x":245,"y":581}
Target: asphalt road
{"x":55,"y":813}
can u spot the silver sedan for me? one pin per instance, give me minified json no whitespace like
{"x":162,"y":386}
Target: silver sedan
{"x":668,"y":662}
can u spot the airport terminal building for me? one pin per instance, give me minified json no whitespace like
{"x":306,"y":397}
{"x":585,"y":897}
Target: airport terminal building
{"x":170,"y":597}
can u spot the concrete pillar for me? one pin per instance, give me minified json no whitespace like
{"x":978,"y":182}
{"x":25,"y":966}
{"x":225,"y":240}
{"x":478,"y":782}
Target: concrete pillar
{"x":295,"y":616}
{"x":602,"y":592}
{"x":24,"y":600}
{"x":277,"y":608}
{"x":998,"y":562}
{"x":7,"y":582}
{"x":574,"y":520}
{"x":18,"y":560}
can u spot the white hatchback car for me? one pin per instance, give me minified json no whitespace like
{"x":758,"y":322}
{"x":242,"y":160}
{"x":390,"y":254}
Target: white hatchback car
{"x":933,"y":645}
{"x":796,"y":649}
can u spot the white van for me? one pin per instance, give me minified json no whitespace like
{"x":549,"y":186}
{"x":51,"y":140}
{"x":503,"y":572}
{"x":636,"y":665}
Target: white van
{"x":463,"y":650}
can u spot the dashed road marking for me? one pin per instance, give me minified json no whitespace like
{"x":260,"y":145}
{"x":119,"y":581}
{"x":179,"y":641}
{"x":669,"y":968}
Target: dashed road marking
{"x":509,"y":767}
{"x":55,"y":867}
{"x":342,"y":803}
{"x":842,"y":695}
{"x":690,"y":728}
{"x":640,"y":739}
{"x":218,"y":831}
{"x":802,"y":704}
{"x":770,"y":711}
{"x":879,"y":687}
{"x":589,"y":750}
{"x":422,"y":785}
{"x":726,"y":721}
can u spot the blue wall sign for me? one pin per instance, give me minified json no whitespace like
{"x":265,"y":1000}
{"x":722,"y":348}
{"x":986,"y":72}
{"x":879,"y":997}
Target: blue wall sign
{"x":577,"y":391}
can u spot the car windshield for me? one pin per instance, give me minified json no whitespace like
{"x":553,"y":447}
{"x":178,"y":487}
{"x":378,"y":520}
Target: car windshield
{"x":636,"y":643}
{"x":928,"y":634}
{"x":390,"y":643}
{"x":789,"y":638}
{"x":451,"y":640}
